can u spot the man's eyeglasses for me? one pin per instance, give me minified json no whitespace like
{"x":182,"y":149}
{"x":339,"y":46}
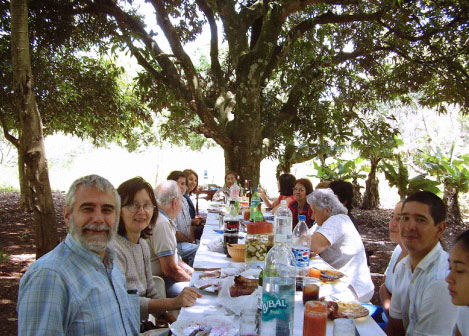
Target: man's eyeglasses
{"x":134,"y":207}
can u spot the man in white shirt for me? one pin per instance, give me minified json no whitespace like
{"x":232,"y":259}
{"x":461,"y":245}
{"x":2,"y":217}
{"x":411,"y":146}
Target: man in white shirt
{"x":420,"y":304}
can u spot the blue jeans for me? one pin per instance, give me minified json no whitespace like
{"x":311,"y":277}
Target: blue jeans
{"x":187,"y":252}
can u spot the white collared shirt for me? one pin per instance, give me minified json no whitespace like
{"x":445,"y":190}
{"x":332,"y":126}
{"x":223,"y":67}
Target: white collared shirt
{"x":421,"y":298}
{"x":463,"y":320}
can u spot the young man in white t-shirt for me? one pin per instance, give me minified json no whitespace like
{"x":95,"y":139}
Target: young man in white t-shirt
{"x":420,"y":304}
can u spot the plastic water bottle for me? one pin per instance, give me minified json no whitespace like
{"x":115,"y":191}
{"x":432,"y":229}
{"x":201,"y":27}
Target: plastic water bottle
{"x":301,"y":242}
{"x":283,"y":220}
{"x":278,"y":287}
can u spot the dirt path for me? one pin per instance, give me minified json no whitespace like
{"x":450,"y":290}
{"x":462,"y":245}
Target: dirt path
{"x":17,"y":239}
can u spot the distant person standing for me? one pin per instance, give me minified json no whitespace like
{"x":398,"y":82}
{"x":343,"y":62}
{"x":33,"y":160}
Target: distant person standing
{"x":420,"y":303}
{"x":77,"y":289}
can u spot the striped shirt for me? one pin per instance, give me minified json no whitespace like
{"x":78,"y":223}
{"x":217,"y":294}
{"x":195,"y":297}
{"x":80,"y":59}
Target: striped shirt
{"x":71,"y":291}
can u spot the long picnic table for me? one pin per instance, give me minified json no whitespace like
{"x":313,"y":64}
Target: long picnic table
{"x":208,"y":306}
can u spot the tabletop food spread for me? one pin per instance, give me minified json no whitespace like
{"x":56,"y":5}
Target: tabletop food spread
{"x":230,"y":287}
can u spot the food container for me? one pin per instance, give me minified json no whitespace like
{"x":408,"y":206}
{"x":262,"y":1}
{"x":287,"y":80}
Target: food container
{"x":259,"y":240}
{"x":236,"y":252}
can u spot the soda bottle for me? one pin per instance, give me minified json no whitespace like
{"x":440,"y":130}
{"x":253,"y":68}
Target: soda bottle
{"x":255,"y":203}
{"x":278,"y":287}
{"x":301,"y":242}
{"x":231,"y":228}
{"x":284,"y":219}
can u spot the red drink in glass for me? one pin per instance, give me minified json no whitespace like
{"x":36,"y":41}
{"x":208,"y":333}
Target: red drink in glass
{"x":315,"y":319}
{"x":310,"y":293}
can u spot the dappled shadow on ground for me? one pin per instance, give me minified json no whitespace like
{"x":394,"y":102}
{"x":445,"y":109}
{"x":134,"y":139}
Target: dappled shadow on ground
{"x":17,"y":240}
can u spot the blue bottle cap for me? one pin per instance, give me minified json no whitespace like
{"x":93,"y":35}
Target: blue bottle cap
{"x":302,"y":218}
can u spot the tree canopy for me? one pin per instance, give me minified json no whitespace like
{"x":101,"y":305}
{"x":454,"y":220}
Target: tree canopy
{"x":282,"y":68}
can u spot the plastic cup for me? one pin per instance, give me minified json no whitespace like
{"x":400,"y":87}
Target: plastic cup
{"x":315,"y":319}
{"x":344,"y":327}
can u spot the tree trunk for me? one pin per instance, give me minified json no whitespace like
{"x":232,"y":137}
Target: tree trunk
{"x":371,"y":195}
{"x":357,"y":195}
{"x":450,"y":198}
{"x":25,"y":191}
{"x":30,"y":132}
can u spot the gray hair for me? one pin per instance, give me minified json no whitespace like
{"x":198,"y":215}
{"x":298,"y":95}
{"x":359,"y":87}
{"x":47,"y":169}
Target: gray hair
{"x":166,"y":191}
{"x":92,"y":181}
{"x":326,"y":199}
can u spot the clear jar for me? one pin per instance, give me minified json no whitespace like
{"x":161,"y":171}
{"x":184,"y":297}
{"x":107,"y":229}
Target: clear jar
{"x":259,"y":240}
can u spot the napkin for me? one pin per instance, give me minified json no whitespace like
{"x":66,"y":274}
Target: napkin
{"x":237,"y":304}
{"x":215,"y":245}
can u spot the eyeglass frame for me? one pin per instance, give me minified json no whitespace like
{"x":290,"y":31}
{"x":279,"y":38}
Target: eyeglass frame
{"x":137,"y":206}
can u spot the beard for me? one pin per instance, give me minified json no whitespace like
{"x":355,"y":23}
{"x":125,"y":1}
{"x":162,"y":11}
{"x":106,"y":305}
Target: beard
{"x":92,"y":242}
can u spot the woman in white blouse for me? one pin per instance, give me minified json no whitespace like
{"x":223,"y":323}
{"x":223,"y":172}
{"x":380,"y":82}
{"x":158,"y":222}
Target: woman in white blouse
{"x":385,"y":291}
{"x":458,"y":282}
{"x":338,"y":242}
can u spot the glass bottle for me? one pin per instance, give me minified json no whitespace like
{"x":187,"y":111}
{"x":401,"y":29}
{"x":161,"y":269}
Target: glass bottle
{"x":231,"y":229}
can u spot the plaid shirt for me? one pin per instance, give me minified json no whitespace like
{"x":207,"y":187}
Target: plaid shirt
{"x":70,"y":291}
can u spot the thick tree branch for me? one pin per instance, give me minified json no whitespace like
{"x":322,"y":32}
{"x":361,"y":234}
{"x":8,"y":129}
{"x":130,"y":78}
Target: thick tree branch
{"x":215,"y":64}
{"x":197,"y":103}
{"x":299,"y":30}
{"x":14,"y":141}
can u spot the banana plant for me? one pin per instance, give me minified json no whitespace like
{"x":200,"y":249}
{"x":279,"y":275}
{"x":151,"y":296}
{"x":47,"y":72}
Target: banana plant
{"x":453,"y":172}
{"x":397,"y":174}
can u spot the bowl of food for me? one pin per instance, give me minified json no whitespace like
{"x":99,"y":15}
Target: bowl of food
{"x":237,"y":252}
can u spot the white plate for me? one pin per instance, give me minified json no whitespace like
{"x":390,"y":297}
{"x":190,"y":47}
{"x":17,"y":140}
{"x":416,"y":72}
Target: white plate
{"x":213,"y":283}
{"x":221,"y":326}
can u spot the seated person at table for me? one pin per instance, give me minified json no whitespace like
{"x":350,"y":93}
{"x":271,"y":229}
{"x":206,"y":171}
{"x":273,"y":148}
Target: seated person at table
{"x":344,"y":191}
{"x":187,"y":247}
{"x":196,"y":220}
{"x":385,"y":291}
{"x":137,"y":217}
{"x":223,"y":194}
{"x":299,"y":206}
{"x":420,"y":302}
{"x":77,"y":288}
{"x":165,"y":261}
{"x":338,"y":242}
{"x":458,"y":282}
{"x":286,"y":183}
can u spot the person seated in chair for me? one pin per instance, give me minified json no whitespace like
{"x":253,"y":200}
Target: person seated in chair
{"x":165,"y":260}
{"x":138,"y":215}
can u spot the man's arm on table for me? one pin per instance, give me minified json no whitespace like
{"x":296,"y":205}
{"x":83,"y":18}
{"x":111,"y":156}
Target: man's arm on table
{"x":395,"y":327}
{"x":42,"y":304}
{"x":173,"y":270}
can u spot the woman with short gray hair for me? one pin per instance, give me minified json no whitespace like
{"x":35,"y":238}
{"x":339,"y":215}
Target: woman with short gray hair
{"x":339,"y":243}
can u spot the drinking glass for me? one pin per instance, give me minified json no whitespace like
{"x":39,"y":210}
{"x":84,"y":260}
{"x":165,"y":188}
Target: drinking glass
{"x":315,"y":318}
{"x":248,"y":322}
{"x":310,"y":289}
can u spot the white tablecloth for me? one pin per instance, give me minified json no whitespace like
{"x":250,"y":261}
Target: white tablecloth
{"x":207,"y":305}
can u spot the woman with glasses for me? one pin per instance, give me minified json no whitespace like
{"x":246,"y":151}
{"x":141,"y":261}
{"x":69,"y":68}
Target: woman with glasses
{"x":299,"y":206}
{"x":138,"y":215}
